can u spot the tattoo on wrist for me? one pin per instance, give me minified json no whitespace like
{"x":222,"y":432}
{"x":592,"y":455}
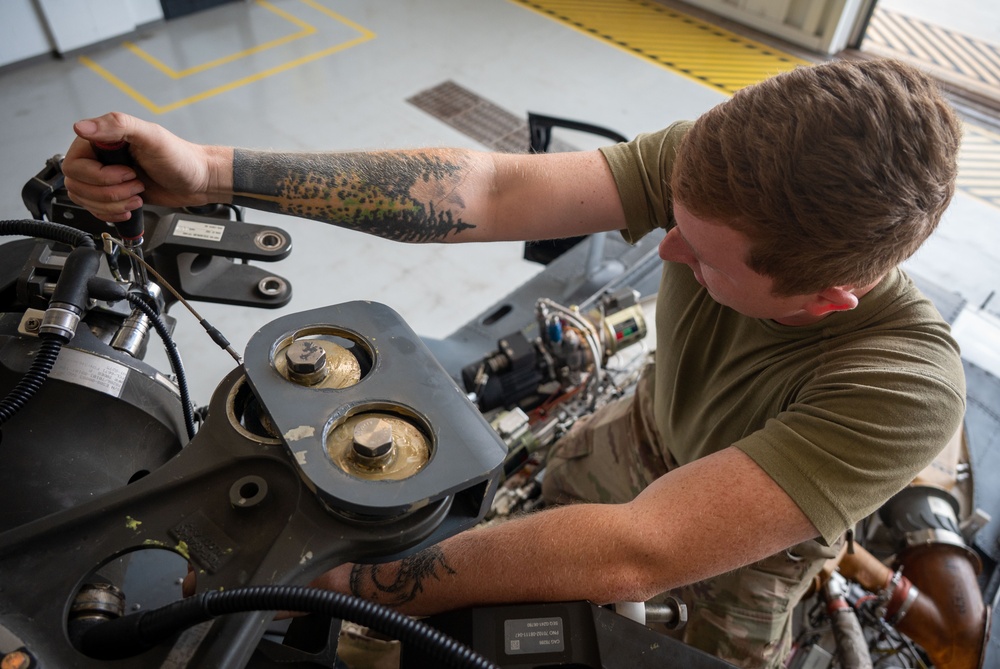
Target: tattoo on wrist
{"x":398,"y":583}
{"x":404,"y":197}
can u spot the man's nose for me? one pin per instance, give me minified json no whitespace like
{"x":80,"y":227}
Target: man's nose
{"x":673,"y":248}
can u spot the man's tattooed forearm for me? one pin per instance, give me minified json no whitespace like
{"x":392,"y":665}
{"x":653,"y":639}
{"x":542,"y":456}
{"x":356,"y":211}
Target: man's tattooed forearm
{"x":384,"y":194}
{"x":399,"y":582}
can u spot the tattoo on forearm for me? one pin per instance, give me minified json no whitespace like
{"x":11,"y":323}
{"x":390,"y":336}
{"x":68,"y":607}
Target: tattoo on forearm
{"x":406,"y":197}
{"x":399,"y":582}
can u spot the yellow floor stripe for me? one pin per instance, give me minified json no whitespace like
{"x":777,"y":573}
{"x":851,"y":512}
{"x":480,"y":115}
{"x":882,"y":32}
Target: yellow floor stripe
{"x":680,"y":43}
{"x":306,"y":30}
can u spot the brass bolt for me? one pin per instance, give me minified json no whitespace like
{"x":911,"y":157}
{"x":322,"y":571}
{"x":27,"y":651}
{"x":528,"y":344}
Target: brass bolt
{"x":373,"y":439}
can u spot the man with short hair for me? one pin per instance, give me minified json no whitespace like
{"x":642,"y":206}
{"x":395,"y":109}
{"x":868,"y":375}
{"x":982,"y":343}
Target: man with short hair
{"x":800,"y":380}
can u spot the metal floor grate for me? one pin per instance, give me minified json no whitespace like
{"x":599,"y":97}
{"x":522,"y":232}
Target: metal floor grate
{"x":480,"y":119}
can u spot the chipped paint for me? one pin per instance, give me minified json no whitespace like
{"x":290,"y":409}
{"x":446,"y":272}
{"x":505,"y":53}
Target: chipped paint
{"x":300,"y":432}
{"x":132,"y":524}
{"x":306,"y":558}
{"x":300,"y":457}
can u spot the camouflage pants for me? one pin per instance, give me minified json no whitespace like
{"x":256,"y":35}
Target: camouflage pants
{"x":743,"y":616}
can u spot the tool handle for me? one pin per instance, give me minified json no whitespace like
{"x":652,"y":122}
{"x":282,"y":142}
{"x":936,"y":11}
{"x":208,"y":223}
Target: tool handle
{"x":112,"y":153}
{"x":117,"y":153}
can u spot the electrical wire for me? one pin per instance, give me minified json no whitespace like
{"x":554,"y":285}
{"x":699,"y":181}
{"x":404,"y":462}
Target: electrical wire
{"x":212,"y":331}
{"x":135,"y":633}
{"x":139,"y":302}
{"x":32,"y":381}
{"x":36,"y":375}
{"x":592,"y":336}
{"x":53,"y":231}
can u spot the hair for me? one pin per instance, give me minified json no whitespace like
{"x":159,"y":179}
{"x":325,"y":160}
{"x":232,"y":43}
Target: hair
{"x":836,"y":173}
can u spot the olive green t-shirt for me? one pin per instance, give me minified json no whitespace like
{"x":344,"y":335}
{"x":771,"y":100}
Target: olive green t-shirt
{"x":842,"y":413}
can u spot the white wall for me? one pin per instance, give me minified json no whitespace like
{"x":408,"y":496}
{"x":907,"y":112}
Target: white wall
{"x":33,"y":27}
{"x":824,"y":26}
{"x":22,"y":31}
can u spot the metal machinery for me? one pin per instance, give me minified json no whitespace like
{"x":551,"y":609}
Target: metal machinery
{"x":338,"y":438}
{"x":342,"y":436}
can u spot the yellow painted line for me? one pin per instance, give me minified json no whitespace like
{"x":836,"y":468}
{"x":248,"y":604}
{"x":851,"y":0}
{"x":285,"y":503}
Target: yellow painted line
{"x":694,"y":49}
{"x":305,"y":31}
{"x":155,"y":108}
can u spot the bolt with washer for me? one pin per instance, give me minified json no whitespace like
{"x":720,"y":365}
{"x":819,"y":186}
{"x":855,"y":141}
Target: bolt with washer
{"x":373,"y":441}
{"x":306,"y":360}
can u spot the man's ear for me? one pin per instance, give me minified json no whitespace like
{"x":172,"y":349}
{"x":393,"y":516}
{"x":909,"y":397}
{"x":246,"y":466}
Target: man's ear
{"x":840,"y":298}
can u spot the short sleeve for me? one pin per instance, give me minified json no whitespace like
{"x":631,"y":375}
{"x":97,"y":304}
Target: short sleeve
{"x":641,"y":169}
{"x":859,"y":432}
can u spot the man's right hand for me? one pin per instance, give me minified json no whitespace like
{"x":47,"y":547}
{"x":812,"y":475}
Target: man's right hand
{"x":168,"y":170}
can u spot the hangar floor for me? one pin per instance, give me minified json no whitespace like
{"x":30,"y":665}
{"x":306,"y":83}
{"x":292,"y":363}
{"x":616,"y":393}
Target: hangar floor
{"x":345,"y":74}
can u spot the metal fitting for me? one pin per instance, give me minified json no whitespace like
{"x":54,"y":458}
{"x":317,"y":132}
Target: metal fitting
{"x":306,"y":361}
{"x":672,"y":613}
{"x":272,"y":286}
{"x":372,"y":441}
{"x":60,"y":320}
{"x":269,"y":240}
{"x":131,"y":337}
{"x":102,"y":601}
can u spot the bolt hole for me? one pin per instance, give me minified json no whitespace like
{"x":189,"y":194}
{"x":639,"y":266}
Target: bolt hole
{"x":269,"y":240}
{"x":249,"y":490}
{"x":271,"y":286}
{"x":200,"y":263}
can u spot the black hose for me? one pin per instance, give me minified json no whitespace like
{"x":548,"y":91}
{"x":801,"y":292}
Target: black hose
{"x":46,"y":356}
{"x":133,"y":634}
{"x":139,"y":302}
{"x":32,"y":380}
{"x":55,"y":232}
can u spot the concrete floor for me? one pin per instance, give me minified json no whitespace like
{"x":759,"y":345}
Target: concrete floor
{"x":345,"y":86}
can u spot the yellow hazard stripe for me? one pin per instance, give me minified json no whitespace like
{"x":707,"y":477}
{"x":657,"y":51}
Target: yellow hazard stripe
{"x":684,"y":45}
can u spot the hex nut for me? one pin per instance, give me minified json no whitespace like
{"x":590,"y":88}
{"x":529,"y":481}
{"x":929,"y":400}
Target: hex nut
{"x":306,"y":360}
{"x":372,"y":438}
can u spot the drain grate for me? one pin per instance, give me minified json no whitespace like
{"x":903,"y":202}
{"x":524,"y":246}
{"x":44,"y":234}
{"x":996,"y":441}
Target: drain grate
{"x":477,"y":117}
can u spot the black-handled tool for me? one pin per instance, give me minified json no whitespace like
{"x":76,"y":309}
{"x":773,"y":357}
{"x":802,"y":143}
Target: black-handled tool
{"x":132,"y":230}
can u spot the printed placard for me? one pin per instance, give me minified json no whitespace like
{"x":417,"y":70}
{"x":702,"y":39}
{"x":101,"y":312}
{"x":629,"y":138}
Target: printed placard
{"x":533,"y":635}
